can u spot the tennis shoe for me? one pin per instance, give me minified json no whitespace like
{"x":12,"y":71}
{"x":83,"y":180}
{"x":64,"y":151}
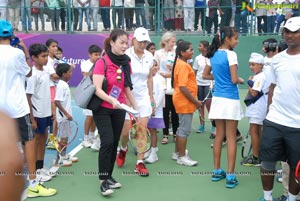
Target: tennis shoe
{"x":250,"y":161}
{"x":218,"y":175}
{"x":141,"y":170}
{"x":231,"y":181}
{"x":152,"y":158}
{"x":105,"y":189}
{"x":175,"y":155}
{"x":42,"y":175}
{"x":147,"y":154}
{"x":73,"y":159}
{"x":201,"y":129}
{"x":187,"y":161}
{"x":96,"y":144}
{"x":62,"y":162}
{"x":40,"y":191}
{"x":86,"y":143}
{"x":281,"y":198}
{"x":263,"y":199}
{"x":113,"y":184}
{"x":120,"y":160}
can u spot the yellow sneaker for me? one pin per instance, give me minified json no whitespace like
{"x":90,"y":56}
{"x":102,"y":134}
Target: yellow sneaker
{"x":40,"y":191}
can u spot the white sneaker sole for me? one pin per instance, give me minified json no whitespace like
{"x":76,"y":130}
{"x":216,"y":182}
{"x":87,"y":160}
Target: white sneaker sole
{"x":108,"y":192}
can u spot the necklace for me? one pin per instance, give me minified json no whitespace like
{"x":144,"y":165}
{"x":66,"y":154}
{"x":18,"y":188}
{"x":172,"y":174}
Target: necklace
{"x":119,"y":73}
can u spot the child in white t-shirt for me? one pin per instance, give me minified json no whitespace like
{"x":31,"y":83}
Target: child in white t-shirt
{"x":156,"y":121}
{"x":256,"y":111}
{"x":64,"y":111}
{"x":89,"y":124}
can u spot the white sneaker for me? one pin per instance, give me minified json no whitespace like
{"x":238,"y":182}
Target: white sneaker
{"x":184,"y":160}
{"x":147,"y":154}
{"x":73,"y":159}
{"x":152,"y":158}
{"x":42,"y":175}
{"x":175,"y":155}
{"x":96,"y":144}
{"x":86,"y":143}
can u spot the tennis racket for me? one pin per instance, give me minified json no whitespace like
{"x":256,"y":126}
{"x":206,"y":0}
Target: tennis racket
{"x":297,"y":172}
{"x":246,"y":146}
{"x":67,"y":133}
{"x":207,"y":98}
{"x":139,"y":136}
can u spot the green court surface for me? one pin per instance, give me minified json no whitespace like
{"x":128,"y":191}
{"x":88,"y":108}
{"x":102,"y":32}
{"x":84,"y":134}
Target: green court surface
{"x":167,"y":180}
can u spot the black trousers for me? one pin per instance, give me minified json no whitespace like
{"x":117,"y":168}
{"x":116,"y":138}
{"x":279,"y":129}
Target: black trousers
{"x":109,"y":123}
{"x":169,"y":107}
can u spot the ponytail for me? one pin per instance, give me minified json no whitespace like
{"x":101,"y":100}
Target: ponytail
{"x":172,"y":77}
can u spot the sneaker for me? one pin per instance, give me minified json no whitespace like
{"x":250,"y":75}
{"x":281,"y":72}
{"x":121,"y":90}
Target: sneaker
{"x":250,"y":161}
{"x":147,"y":154}
{"x":40,"y":191}
{"x":152,"y":158}
{"x":64,"y":162}
{"x":42,"y":175}
{"x":212,"y":136}
{"x":96,"y":144}
{"x":141,"y":170}
{"x":263,"y":199}
{"x":201,"y":129}
{"x":73,"y":159}
{"x":212,"y":130}
{"x":279,"y":179}
{"x":218,"y":175}
{"x":86,"y":143}
{"x":120,"y":160}
{"x":231,"y":181}
{"x":281,"y":198}
{"x":113,"y":183}
{"x":187,"y":161}
{"x":105,"y":189}
{"x":175,"y":155}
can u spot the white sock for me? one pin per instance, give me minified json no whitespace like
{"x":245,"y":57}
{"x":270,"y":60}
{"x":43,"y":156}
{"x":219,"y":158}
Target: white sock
{"x":154,"y":149}
{"x":33,"y":183}
{"x":268,"y":195}
{"x":85,"y":137}
{"x":139,"y":161}
{"x":292,"y":197}
{"x":91,"y":134}
{"x":123,"y":148}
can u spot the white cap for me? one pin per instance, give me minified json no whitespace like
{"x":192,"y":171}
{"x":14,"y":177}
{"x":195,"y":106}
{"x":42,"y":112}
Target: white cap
{"x":141,"y":34}
{"x":292,"y":24}
{"x":256,"y":58}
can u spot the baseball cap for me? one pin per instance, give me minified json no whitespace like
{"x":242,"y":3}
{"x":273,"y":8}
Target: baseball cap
{"x":256,"y":58}
{"x":292,"y":24}
{"x":141,"y":34}
{"x":5,"y":28}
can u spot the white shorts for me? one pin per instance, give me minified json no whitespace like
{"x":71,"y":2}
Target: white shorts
{"x":225,"y":108}
{"x":253,"y":120}
{"x":87,"y":112}
{"x":144,"y":108}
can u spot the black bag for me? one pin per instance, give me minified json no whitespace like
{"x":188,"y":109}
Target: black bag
{"x":250,"y":99}
{"x":95,"y":101}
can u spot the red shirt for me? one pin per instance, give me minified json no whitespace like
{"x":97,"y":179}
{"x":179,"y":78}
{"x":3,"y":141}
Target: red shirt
{"x":104,"y":3}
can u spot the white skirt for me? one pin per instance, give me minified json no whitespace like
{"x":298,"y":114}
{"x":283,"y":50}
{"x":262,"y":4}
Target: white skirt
{"x":225,"y":108}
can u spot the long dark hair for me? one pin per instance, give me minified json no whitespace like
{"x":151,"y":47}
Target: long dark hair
{"x":182,"y":46}
{"x":219,"y":40}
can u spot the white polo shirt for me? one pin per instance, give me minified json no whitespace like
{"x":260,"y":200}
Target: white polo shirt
{"x":63,"y":95}
{"x":140,"y":72}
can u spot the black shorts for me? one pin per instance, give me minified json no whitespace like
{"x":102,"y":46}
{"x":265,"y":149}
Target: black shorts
{"x":202,"y":92}
{"x":25,"y":128}
{"x":280,"y":143}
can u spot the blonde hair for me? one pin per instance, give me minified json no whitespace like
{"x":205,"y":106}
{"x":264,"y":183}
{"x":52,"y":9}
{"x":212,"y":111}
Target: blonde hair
{"x":166,"y":37}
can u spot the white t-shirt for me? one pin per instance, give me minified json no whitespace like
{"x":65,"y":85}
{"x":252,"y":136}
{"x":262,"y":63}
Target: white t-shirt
{"x":14,"y":68}
{"x":285,"y":107}
{"x":140,"y":72}
{"x":116,"y":3}
{"x":259,"y":108}
{"x":38,"y":87}
{"x":63,"y":95}
{"x":159,"y":88}
{"x":161,"y":56}
{"x":50,"y":68}
{"x":199,"y":65}
{"x":86,"y":66}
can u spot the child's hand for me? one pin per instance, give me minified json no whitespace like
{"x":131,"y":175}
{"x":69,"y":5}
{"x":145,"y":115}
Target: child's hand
{"x":198,"y":104}
{"x":241,"y":80}
{"x":250,"y":78}
{"x":33,"y":124}
{"x":69,"y":117}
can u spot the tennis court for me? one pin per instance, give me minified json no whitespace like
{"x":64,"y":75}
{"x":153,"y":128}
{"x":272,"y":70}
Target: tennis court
{"x":167,"y":180}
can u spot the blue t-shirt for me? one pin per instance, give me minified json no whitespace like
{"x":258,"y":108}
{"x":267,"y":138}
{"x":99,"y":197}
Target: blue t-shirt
{"x":220,"y":64}
{"x":200,"y":3}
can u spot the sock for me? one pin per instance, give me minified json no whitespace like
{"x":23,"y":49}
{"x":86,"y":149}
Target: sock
{"x":292,"y":197}
{"x":33,"y":183}
{"x":91,"y":135}
{"x":85,"y":137}
{"x":154,"y":149}
{"x":139,"y":161}
{"x":268,"y":195}
{"x":39,"y":164}
{"x":123,"y":149}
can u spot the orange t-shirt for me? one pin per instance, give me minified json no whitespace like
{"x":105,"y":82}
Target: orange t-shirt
{"x":184,"y":76}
